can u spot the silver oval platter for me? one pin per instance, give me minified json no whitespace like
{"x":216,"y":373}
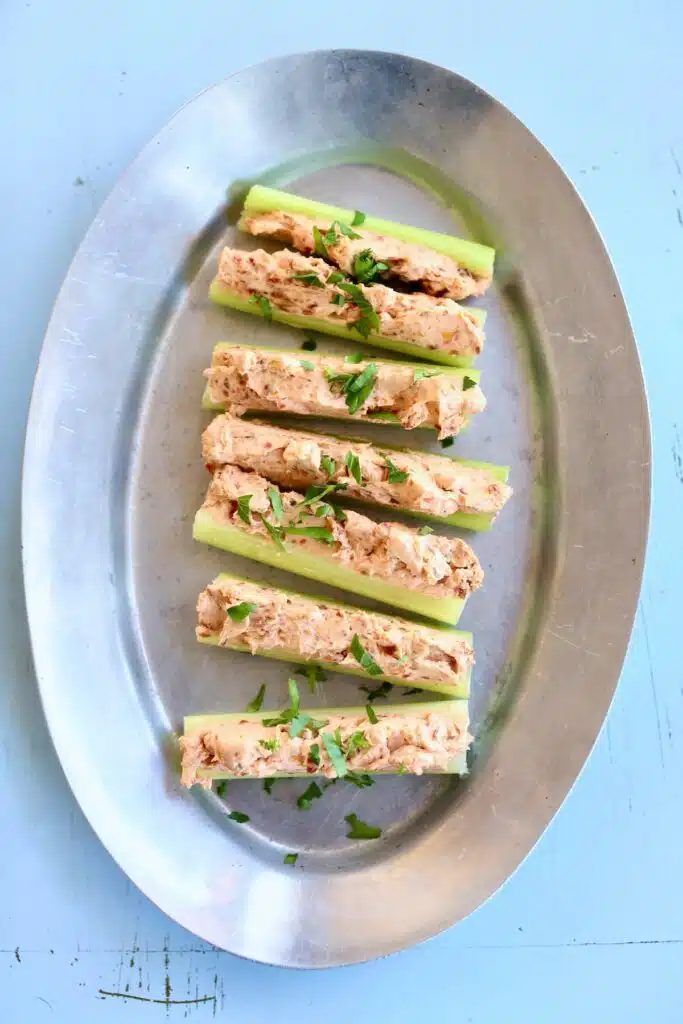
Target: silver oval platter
{"x":113,"y":476}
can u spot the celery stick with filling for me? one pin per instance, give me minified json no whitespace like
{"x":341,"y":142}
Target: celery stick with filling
{"x":456,"y":492}
{"x":245,"y":616}
{"x":429,"y":738}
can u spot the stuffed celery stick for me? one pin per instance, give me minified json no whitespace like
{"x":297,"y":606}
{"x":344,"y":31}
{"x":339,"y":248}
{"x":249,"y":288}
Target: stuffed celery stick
{"x":306,"y":292}
{"x":281,"y":624}
{"x":252,"y":379}
{"x":311,"y":535}
{"x":435,"y":487}
{"x":367,"y":248}
{"x":430,"y":738}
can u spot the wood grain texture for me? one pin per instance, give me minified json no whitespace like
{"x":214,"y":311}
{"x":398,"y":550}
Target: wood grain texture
{"x":591,"y":926}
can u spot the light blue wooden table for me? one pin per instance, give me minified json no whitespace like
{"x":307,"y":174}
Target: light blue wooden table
{"x":591,"y":926}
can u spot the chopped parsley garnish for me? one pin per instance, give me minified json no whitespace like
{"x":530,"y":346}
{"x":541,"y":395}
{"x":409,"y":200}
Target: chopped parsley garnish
{"x":314,"y":753}
{"x":468,"y":383}
{"x":352,"y":463}
{"x":359,"y":829}
{"x":257,"y":703}
{"x":243,"y":508}
{"x":413,"y":690}
{"x":240,"y":612}
{"x":335,"y":277}
{"x":314,"y":792}
{"x":365,"y":660}
{"x":263,"y":304}
{"x":311,"y":279}
{"x":275,"y":499}
{"x":335,"y":752}
{"x":268,"y":785}
{"x":330,"y":237}
{"x":298,"y":720}
{"x":372,"y":714}
{"x":356,"y":741}
{"x":339,"y":513}
{"x":320,"y":247}
{"x":328,"y":464}
{"x":362,"y":780}
{"x":322,"y":533}
{"x":314,"y":675}
{"x":421,"y":374}
{"x":338,"y":299}
{"x":447,"y":442}
{"x":290,"y":858}
{"x":424,"y":531}
{"x":402,"y":769}
{"x":275,"y":532}
{"x":306,"y":364}
{"x":356,"y":387}
{"x":239,"y":816}
{"x":358,"y":219}
{"x":221,"y":788}
{"x":302,"y":721}
{"x":270,"y":745}
{"x":319,"y":491}
{"x":396,"y":476}
{"x":379,"y":691}
{"x":309,"y":345}
{"x":354,"y":357}
{"x":402,"y":660}
{"x":366,"y":268}
{"x":369,"y":320}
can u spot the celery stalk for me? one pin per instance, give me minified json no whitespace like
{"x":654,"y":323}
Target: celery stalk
{"x":456,"y":710}
{"x":223,"y":297}
{"x":223,"y":535}
{"x":317,"y":357}
{"x":473,"y":256}
{"x":461,"y":688}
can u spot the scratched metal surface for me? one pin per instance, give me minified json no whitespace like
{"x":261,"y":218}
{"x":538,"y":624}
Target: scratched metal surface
{"x":590,"y":925}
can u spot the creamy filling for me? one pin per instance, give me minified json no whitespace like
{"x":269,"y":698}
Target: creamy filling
{"x":244,"y":380}
{"x":417,"y":318}
{"x":434,"y":272}
{"x":431,"y":565}
{"x":433,"y":485}
{"x":414,"y":743}
{"x":310,"y":630}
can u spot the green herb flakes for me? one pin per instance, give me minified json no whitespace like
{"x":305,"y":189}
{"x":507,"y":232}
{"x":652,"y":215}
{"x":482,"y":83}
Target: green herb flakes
{"x":424,"y":531}
{"x":314,"y":792}
{"x":365,"y":660}
{"x":447,"y":442}
{"x":366,"y":268}
{"x":468,"y":383}
{"x":321,"y":533}
{"x":352,"y":463}
{"x":290,"y":858}
{"x":268,"y":785}
{"x":359,"y":829}
{"x":335,"y":753}
{"x":242,"y":611}
{"x":358,"y":219}
{"x":263,"y":304}
{"x":354,"y":357}
{"x":328,"y":464}
{"x":362,"y":780}
{"x":221,"y":789}
{"x":270,"y":745}
{"x":396,"y":476}
{"x":306,"y":364}
{"x":275,"y":499}
{"x":422,"y":374}
{"x":310,"y":279}
{"x":309,"y":345}
{"x":274,"y":532}
{"x":243,"y":508}
{"x":372,"y":714}
{"x":257,"y":703}
{"x":239,"y":817}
